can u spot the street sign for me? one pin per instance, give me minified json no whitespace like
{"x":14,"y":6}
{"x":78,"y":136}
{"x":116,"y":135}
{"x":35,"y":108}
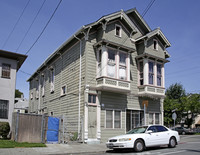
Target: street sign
{"x":174,"y":116}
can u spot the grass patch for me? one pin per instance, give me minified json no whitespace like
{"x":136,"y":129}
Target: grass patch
{"x":197,"y":133}
{"x":13,"y":144}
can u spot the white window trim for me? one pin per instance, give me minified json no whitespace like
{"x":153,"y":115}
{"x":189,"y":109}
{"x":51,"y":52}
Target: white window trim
{"x":31,"y":95}
{"x":61,"y":91}
{"x":43,"y":83}
{"x":120,"y":30}
{"x":154,"y":118}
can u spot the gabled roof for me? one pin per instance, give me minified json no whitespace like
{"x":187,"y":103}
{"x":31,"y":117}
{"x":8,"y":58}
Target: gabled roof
{"x":155,"y":32}
{"x":15,"y":56}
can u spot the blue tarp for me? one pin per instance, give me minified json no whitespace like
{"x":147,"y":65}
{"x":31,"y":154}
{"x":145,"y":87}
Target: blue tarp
{"x":53,"y":128}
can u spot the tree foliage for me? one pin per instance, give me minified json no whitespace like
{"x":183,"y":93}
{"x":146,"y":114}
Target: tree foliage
{"x":187,"y":106}
{"x":18,"y":93}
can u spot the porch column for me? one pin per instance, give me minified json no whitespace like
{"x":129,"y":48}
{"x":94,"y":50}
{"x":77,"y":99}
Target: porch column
{"x":86,"y":113}
{"x":104,"y":61}
{"x":99,"y":115}
{"x":162,"y":111}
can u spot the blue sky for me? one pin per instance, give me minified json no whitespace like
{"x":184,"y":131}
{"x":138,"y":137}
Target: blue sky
{"x":178,"y":19}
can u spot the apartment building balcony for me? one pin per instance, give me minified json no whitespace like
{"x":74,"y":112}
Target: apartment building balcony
{"x":111,"y":84}
{"x":151,"y":91}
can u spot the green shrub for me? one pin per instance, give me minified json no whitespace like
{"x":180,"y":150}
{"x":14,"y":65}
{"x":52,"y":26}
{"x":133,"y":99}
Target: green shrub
{"x":4,"y":129}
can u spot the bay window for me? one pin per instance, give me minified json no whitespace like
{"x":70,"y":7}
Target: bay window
{"x":141,"y":75}
{"x":111,"y":63}
{"x":151,"y":72}
{"x":159,"y":74}
{"x":122,"y":65}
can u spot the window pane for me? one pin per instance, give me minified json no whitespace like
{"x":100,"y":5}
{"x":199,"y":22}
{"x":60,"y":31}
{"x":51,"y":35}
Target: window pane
{"x":111,"y":55}
{"x":4,"y":109}
{"x":94,"y":99}
{"x":150,"y":118}
{"x":5,"y":70}
{"x":111,"y":70}
{"x":157,"y":119}
{"x":122,"y":73}
{"x":151,"y":73}
{"x":122,"y":58}
{"x":117,"y":119}
{"x":109,"y":119}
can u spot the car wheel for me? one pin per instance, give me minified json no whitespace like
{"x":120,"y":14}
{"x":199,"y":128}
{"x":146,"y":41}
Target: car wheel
{"x":183,"y":133}
{"x":139,"y":145}
{"x":172,"y":142}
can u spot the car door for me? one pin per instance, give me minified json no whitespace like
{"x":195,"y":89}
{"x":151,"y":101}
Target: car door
{"x":163,"y":135}
{"x":152,"y":139}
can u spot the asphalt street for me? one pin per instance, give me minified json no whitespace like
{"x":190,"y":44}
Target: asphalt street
{"x":189,"y":145}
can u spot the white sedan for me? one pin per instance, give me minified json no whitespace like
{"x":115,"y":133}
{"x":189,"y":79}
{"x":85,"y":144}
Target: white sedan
{"x":145,"y":136}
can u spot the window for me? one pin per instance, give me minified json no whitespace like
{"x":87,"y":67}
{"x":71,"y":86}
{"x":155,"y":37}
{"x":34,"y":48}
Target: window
{"x":122,"y":65}
{"x":141,"y":73}
{"x":52,"y":80}
{"x":161,"y":128}
{"x":134,"y":118}
{"x":151,"y":72}
{"x":154,"y":118}
{"x":118,"y":30}
{"x":4,"y":109}
{"x":92,"y":98}
{"x":31,"y":95}
{"x":99,"y":54}
{"x":113,"y":119}
{"x":111,"y":63}
{"x":151,"y":120}
{"x":42,"y":83}
{"x":63,"y":90}
{"x":37,"y":89}
{"x":157,"y":118}
{"x":159,"y":74}
{"x":152,"y":128}
{"x":155,"y":44}
{"x":5,"y":71}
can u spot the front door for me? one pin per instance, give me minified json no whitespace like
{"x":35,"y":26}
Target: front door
{"x":92,"y":122}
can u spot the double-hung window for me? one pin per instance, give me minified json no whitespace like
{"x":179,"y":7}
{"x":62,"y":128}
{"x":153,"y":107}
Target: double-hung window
{"x":92,"y":99}
{"x":113,"y":119}
{"x":122,"y":66}
{"x":159,"y":74}
{"x":52,"y":80}
{"x":111,"y":63}
{"x":141,"y":73}
{"x":5,"y":70}
{"x":151,"y":72}
{"x":99,"y":69}
{"x":3,"y":109}
{"x":42,"y":84}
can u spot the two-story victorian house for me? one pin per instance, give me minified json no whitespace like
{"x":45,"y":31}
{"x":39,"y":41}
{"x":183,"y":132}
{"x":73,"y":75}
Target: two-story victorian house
{"x":9,"y":65}
{"x":110,"y":73}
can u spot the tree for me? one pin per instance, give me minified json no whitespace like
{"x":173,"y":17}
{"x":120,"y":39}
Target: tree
{"x":18,"y":93}
{"x":173,"y":101}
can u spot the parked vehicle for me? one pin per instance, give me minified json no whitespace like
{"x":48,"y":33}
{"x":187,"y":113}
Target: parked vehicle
{"x":183,"y":131}
{"x":146,"y":136}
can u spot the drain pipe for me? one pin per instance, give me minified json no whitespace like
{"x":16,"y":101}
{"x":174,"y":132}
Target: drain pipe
{"x":79,"y":92}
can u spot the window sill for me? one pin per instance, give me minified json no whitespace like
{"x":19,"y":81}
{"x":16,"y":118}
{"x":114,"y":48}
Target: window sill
{"x":5,"y":77}
{"x":62,"y":95}
{"x":92,"y":104}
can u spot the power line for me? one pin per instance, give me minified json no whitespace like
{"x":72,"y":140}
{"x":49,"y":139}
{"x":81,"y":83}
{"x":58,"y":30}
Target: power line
{"x":15,"y":25}
{"x":44,"y":27}
{"x":30,"y":26}
{"x":147,"y":8}
{"x":24,"y":72}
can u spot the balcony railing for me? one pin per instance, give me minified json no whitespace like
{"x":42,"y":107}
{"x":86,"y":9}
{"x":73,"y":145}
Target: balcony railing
{"x":110,"y":84}
{"x":151,"y":91}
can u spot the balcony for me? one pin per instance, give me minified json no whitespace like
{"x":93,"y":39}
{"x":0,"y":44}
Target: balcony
{"x":151,"y":91}
{"x":115,"y":85}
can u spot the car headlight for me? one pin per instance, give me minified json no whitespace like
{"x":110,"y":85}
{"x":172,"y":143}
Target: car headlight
{"x":124,"y":139}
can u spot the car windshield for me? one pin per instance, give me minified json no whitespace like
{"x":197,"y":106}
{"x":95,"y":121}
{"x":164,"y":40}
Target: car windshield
{"x":137,"y":130}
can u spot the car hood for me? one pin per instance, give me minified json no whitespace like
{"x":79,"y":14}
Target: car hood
{"x":124,"y":136}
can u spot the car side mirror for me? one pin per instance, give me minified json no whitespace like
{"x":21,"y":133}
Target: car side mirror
{"x":149,"y":131}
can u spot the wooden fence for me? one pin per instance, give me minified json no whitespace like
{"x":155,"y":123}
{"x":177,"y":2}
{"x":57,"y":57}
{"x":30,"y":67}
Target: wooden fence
{"x":29,"y":128}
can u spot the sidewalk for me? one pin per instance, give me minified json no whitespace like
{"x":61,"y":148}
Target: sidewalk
{"x":56,"y":149}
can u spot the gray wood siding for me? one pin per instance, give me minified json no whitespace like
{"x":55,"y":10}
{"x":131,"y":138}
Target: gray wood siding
{"x":125,"y":34}
{"x":66,"y":73}
{"x":150,"y":49}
